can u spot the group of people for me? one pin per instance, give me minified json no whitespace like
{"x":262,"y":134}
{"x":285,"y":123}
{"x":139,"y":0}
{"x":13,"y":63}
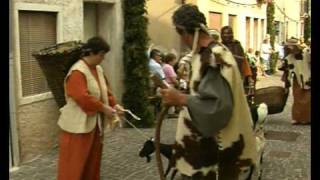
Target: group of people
{"x":177,"y":73}
{"x":214,"y":134}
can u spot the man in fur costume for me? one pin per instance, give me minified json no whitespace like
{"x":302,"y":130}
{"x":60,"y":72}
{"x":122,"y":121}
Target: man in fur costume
{"x":214,"y":137}
{"x":299,"y":76}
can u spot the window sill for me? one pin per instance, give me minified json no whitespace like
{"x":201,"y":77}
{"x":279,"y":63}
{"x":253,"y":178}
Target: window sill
{"x":35,"y":98}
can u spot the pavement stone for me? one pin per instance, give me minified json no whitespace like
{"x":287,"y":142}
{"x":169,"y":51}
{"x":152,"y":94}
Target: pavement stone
{"x":283,"y":160}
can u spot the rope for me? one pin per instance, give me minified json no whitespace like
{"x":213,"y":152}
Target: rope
{"x":233,"y":2}
{"x":244,"y":4}
{"x":137,"y":129}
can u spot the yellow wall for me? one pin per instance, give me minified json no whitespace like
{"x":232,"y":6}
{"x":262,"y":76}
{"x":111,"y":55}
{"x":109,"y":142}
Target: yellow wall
{"x":162,"y":32}
{"x":241,"y":13}
{"x":160,"y":28}
{"x":292,"y":9}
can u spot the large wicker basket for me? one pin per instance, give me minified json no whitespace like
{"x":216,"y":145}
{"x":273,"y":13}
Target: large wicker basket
{"x":275,"y":97}
{"x":55,"y":62}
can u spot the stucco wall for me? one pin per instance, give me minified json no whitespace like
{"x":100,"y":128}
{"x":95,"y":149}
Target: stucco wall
{"x":292,"y":9}
{"x":37,"y":121}
{"x":112,"y":30}
{"x":160,"y":28}
{"x":37,"y":127}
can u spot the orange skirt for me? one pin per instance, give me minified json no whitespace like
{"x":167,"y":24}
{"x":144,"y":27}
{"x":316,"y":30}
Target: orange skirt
{"x":301,"y":108}
{"x":79,"y":156}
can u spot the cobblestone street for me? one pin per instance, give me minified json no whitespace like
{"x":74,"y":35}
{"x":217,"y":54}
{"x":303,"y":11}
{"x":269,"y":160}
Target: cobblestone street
{"x":287,"y":154}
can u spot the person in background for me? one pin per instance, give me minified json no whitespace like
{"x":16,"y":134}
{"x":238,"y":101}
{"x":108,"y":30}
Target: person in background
{"x":155,"y":64}
{"x":90,"y":106}
{"x":259,"y":63}
{"x":281,"y":50}
{"x":299,"y":76}
{"x":171,"y":78}
{"x":253,"y":64}
{"x":302,"y":43}
{"x":266,"y":51}
{"x":168,"y":62}
{"x":307,"y":53}
{"x":214,"y":136}
{"x":238,"y":53}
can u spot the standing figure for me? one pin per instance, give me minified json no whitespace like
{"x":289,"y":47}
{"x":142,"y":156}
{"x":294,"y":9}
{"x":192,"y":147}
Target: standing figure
{"x":214,"y":136}
{"x":89,"y":107}
{"x":300,"y":77}
{"x":266,"y":51}
{"x":238,"y":53}
{"x":259,"y":63}
{"x":253,"y":62}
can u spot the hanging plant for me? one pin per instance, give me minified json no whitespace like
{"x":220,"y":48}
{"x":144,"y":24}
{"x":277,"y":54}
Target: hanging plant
{"x":272,"y":32}
{"x":136,"y":62}
{"x":270,"y":22}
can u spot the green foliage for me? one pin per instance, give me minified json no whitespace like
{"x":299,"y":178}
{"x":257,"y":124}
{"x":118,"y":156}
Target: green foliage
{"x":270,"y":22}
{"x":271,"y":30}
{"x":307,"y":24}
{"x":307,"y":28}
{"x":273,"y":62}
{"x":136,"y":62}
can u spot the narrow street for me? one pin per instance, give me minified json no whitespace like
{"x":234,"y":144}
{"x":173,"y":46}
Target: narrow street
{"x":287,"y":154}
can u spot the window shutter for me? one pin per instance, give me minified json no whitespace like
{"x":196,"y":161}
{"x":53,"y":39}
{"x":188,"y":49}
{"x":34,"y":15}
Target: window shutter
{"x":232,"y":22}
{"x":37,"y":31}
{"x":215,"y":20}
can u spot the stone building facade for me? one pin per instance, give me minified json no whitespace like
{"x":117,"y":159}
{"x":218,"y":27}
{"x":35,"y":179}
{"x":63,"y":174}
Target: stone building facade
{"x":34,"y":24}
{"x":248,"y":20}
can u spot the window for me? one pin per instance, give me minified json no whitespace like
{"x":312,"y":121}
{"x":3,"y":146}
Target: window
{"x":232,"y":22}
{"x":255,"y":33}
{"x":215,"y":20}
{"x":247,"y":33}
{"x":36,"y":30}
{"x":262,"y":30}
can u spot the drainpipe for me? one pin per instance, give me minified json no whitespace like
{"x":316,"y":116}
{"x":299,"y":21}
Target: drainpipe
{"x":12,"y":92}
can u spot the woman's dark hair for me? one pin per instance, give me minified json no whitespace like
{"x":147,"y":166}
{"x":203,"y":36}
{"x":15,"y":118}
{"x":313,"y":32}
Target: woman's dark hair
{"x":154,"y":52}
{"x":95,"y":45}
{"x":257,"y":53}
{"x":169,"y":57}
{"x":187,"y":18}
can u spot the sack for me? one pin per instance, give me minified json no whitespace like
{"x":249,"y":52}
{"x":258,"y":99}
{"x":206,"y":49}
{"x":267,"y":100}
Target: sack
{"x":275,"y":97}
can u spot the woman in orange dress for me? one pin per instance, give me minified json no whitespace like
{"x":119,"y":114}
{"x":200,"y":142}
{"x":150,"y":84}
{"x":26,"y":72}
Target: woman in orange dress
{"x":89,"y":107}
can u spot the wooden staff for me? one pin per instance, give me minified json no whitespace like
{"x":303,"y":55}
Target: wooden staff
{"x":164,"y":109}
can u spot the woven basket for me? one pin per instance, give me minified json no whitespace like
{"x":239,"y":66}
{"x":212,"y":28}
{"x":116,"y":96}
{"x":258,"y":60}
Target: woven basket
{"x":55,"y":62}
{"x":275,"y":97}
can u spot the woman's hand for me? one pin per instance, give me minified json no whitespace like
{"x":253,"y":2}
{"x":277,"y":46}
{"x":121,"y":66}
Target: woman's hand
{"x":119,"y":109}
{"x":173,"y":97}
{"x":109,"y":111}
